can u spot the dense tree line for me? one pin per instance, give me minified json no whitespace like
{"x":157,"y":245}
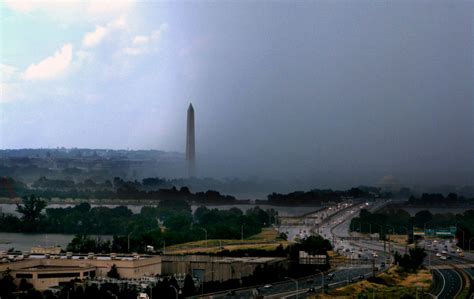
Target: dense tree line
{"x":401,"y":222}
{"x":117,"y":189}
{"x":170,"y":222}
{"x":317,"y":197}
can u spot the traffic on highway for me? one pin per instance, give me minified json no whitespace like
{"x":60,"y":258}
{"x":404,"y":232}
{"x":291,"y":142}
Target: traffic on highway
{"x":364,"y":256}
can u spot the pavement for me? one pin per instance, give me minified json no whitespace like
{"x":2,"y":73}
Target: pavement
{"x":288,"y":287}
{"x":448,"y":275}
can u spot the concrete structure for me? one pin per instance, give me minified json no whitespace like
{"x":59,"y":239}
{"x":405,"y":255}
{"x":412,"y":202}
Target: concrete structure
{"x":46,"y":250}
{"x":190,"y":144}
{"x":43,"y":277}
{"x":214,"y":268}
{"x":45,"y":271}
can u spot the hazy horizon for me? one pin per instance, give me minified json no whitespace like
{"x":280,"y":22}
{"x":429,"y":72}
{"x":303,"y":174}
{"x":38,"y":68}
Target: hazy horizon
{"x":335,"y":93}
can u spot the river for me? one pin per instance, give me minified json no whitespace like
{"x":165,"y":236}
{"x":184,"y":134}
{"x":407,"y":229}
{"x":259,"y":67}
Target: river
{"x":24,"y":242}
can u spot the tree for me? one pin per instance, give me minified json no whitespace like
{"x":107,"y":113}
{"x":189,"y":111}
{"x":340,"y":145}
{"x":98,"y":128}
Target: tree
{"x":82,"y":243}
{"x":188,"y":289}
{"x":315,"y":245}
{"x":7,"y":287}
{"x":31,"y":209}
{"x":411,"y":261}
{"x":24,"y":285}
{"x":113,"y":273}
{"x":422,"y":217}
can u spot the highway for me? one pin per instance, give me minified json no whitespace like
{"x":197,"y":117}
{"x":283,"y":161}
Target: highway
{"x":328,"y":218}
{"x":308,"y":222}
{"x":277,"y":290}
{"x":448,"y":278}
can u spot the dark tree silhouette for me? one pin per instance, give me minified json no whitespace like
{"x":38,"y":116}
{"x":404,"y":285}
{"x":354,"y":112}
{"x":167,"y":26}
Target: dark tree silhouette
{"x":113,"y":273}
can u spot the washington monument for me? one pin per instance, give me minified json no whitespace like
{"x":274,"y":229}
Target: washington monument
{"x":190,"y":144}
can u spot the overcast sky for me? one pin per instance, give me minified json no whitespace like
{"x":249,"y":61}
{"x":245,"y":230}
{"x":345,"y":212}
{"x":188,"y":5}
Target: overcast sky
{"x":280,"y":89}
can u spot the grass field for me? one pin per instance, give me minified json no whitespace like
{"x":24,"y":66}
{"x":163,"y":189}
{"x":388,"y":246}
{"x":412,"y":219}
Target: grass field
{"x":391,"y":284}
{"x":266,"y":240}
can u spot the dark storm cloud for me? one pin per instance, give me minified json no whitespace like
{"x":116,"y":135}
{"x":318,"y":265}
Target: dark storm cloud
{"x":357,"y":88}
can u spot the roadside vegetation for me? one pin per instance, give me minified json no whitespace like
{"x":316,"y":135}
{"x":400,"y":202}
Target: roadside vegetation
{"x":394,"y":283}
{"x":399,"y":221}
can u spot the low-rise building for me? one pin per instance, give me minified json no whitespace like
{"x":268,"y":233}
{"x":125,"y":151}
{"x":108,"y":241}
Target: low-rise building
{"x":214,"y":268}
{"x":44,"y":271}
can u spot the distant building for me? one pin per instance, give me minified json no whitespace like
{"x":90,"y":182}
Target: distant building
{"x":190,"y":143}
{"x":45,"y":271}
{"x":309,"y":259}
{"x":389,"y":183}
{"x":46,"y":250}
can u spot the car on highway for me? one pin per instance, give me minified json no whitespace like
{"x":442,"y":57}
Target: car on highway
{"x":311,"y":290}
{"x":438,"y":254}
{"x":443,"y":257}
{"x":444,"y":252}
{"x":461,"y":254}
{"x":267,"y":286}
